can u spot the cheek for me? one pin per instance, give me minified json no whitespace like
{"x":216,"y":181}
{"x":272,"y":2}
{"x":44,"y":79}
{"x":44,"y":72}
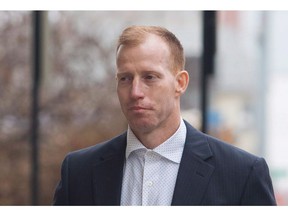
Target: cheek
{"x":168,"y":92}
{"x":166,"y":98}
{"x":121,"y":96}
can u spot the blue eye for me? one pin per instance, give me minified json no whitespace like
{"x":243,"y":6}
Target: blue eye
{"x":124,"y":79}
{"x":150,"y":77}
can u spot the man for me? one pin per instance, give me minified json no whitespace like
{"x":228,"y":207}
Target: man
{"x":161,"y":159}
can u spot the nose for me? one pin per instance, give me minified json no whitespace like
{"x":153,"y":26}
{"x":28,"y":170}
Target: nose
{"x":137,"y":89}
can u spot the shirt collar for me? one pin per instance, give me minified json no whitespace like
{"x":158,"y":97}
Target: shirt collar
{"x":171,"y":149}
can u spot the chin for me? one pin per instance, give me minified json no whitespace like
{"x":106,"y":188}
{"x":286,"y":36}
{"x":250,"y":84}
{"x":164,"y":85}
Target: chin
{"x":144,"y":126}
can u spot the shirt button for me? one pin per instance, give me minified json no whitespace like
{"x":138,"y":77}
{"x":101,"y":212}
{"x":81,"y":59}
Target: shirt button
{"x":149,"y":183}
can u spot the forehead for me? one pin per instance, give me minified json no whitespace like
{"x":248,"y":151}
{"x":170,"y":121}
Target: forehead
{"x":152,"y":46}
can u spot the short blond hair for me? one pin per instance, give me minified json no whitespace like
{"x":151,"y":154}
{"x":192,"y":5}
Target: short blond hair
{"x":135,"y":35}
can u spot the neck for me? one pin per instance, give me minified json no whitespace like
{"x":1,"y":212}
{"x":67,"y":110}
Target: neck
{"x":154,"y":138}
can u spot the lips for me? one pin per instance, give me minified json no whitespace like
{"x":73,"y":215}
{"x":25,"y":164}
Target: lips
{"x":138,"y":108}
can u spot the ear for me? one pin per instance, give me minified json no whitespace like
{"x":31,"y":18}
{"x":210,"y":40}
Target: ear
{"x":182,"y":81}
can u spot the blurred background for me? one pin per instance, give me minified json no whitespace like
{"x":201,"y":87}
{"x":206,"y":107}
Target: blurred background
{"x":72,"y":103}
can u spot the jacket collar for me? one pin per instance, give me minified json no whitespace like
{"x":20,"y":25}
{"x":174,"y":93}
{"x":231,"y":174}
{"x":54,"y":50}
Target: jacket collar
{"x":108,"y":173}
{"x":194,"y":171}
{"x":192,"y":179}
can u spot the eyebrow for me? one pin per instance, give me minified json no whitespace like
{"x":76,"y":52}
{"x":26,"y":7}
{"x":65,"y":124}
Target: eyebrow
{"x":122,"y":73}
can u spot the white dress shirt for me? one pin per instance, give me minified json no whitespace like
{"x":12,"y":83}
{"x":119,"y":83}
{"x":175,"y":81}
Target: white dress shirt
{"x":150,"y":175}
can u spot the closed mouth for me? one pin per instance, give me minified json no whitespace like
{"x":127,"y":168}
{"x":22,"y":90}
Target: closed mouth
{"x":138,"y":108}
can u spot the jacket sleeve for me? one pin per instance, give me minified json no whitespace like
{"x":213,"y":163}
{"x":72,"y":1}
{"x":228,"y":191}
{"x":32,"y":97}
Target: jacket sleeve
{"x":258,"y":189}
{"x":61,"y":195}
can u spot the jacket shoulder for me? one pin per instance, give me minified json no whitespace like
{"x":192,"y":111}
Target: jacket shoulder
{"x":116,"y":145}
{"x":230,"y":151}
{"x":216,"y":149}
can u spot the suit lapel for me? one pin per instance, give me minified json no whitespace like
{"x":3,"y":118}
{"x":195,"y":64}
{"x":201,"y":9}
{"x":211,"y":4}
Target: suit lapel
{"x":107,"y":175}
{"x":194,"y":172}
{"x":192,"y":180}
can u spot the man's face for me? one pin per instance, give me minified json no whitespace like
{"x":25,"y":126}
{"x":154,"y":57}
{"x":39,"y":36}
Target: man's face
{"x":146,"y":85}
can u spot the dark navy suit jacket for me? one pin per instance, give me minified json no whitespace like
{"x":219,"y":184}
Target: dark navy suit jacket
{"x":211,"y":172}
